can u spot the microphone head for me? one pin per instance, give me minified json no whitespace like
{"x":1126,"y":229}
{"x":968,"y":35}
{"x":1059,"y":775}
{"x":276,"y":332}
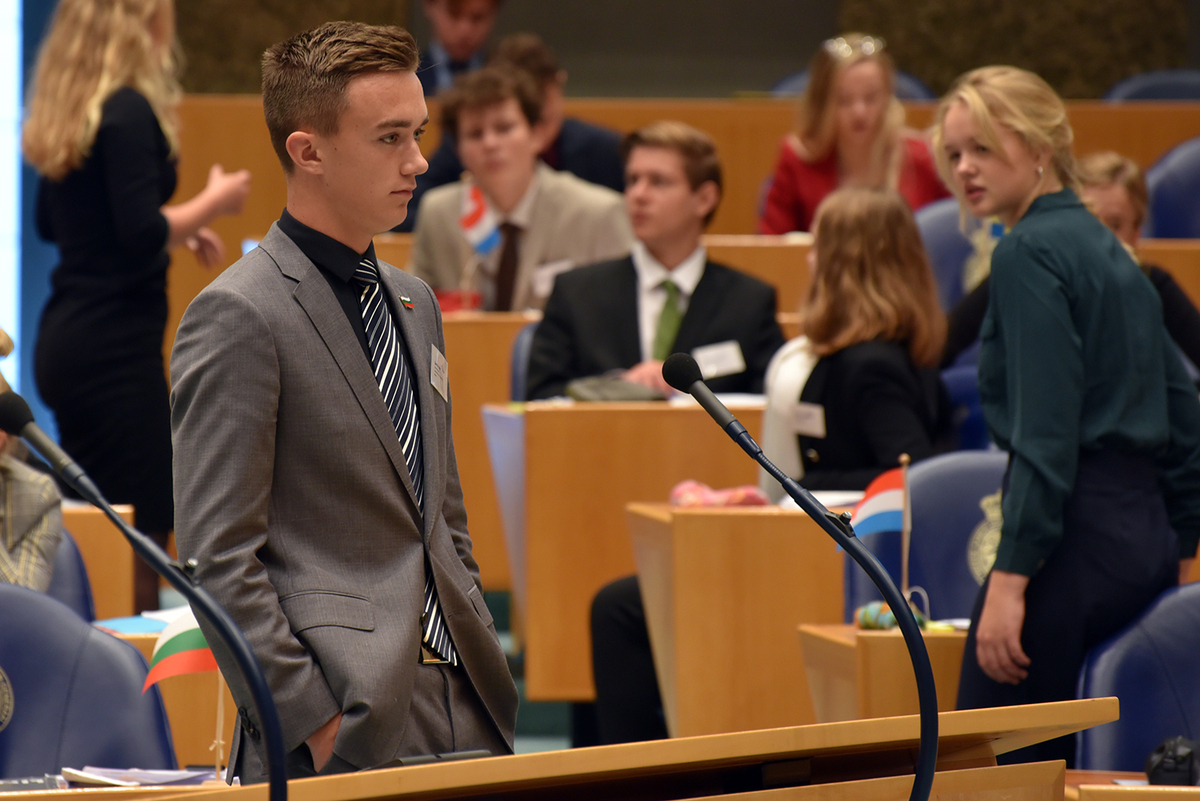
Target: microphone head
{"x":681,"y":371}
{"x":14,"y":413}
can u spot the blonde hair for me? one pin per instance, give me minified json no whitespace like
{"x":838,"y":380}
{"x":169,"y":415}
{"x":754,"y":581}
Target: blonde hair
{"x":1107,"y":168}
{"x":872,"y":279}
{"x":94,"y":48}
{"x":816,"y":127}
{"x":1018,"y":100}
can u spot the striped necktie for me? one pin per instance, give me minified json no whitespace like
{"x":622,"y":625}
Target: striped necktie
{"x":394,"y":375}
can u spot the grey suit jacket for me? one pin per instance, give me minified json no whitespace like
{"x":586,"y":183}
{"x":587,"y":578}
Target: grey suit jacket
{"x":293,"y":495}
{"x":571,"y":221}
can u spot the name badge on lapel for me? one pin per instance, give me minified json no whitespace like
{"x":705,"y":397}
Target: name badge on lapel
{"x":439,"y":372}
{"x":720,"y":359}
{"x":808,"y":419}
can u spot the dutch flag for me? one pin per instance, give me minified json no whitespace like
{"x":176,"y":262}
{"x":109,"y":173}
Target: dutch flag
{"x":882,"y":506}
{"x":478,"y":222}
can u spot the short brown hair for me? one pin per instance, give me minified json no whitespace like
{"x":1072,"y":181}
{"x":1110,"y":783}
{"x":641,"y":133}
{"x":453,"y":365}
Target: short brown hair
{"x":527,"y":51}
{"x":872,"y":279}
{"x":1107,"y":168}
{"x":695,"y":147}
{"x":490,"y":86}
{"x":305,"y":78}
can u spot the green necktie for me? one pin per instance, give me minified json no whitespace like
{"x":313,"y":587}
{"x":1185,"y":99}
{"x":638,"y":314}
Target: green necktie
{"x":668,"y":322}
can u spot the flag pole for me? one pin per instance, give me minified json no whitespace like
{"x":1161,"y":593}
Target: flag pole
{"x":218,"y":746}
{"x":905,"y":527}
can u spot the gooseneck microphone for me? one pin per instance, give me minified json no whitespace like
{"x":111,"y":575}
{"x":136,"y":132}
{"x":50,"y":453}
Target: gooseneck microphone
{"x":681,"y":372}
{"x":16,"y":419}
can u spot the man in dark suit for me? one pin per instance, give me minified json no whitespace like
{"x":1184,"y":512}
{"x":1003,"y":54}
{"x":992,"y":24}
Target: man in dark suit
{"x":585,"y":150}
{"x":623,"y":317}
{"x":459,"y":30}
{"x":315,"y":478}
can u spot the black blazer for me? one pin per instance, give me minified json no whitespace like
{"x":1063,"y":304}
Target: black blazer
{"x":584,"y":150}
{"x":590,"y":326}
{"x":878,"y":405}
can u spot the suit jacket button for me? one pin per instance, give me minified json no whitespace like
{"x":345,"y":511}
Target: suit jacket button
{"x":812,"y":455}
{"x":424,"y":620}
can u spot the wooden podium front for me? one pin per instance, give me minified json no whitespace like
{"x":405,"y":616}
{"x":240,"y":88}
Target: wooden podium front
{"x":724,"y":589}
{"x":564,"y":473}
{"x":860,"y":760}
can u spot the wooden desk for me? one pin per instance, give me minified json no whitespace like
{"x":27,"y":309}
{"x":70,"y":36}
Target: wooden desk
{"x":106,"y":554}
{"x":479,"y":351}
{"x":1077,"y":779}
{"x":724,"y":590}
{"x":856,"y":760}
{"x":1110,"y":792}
{"x":1179,"y":257}
{"x":564,"y":474}
{"x":867,"y":674}
{"x":191,"y":702}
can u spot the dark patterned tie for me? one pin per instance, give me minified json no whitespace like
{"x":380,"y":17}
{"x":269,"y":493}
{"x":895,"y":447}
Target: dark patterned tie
{"x":394,"y":375}
{"x":506,"y":275}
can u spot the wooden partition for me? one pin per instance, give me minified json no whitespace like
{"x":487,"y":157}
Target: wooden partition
{"x":107,"y":555}
{"x":564,"y":473}
{"x":229,"y":129}
{"x":724,"y":590}
{"x":1179,"y":257}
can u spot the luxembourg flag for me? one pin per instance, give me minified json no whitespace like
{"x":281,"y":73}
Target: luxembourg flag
{"x":478,"y":222}
{"x":882,"y":506}
{"x":180,"y":649}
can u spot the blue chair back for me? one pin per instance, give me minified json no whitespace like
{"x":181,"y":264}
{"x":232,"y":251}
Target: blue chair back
{"x":1152,"y":667}
{"x":76,"y":693}
{"x":519,"y":363}
{"x":908,"y":87}
{"x":69,"y":581}
{"x":1174,"y":186}
{"x":962,"y":383}
{"x":947,"y":520}
{"x":946,"y":247}
{"x":1157,"y":85}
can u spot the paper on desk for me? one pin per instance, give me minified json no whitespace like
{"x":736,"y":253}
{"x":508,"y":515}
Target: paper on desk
{"x":133,"y":777}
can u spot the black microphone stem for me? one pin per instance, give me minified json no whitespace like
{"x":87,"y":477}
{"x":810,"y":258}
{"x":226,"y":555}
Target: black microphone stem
{"x":682,"y":373}
{"x":16,"y":419}
{"x":231,"y":636}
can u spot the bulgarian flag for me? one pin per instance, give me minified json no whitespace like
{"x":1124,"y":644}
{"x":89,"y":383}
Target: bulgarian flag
{"x":180,"y":649}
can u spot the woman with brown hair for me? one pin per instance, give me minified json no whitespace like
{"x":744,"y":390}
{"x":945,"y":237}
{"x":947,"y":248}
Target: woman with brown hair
{"x":860,"y":387}
{"x":102,"y":131}
{"x":850,"y":133}
{"x":1082,"y":386}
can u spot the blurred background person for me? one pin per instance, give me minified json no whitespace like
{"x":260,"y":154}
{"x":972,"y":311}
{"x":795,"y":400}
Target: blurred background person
{"x":860,"y":386}
{"x":506,"y":229}
{"x":1082,"y":386}
{"x":460,"y":29}
{"x":102,"y":131}
{"x":30,"y":521}
{"x":1114,"y":188}
{"x":850,"y":133}
{"x":585,"y":150}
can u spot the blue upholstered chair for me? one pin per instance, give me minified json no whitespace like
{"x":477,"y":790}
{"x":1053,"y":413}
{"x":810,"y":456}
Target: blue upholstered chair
{"x":946,"y":247}
{"x":76,"y":693}
{"x":1174,"y":186}
{"x":963,"y":385}
{"x":945,"y":495}
{"x":908,"y":87}
{"x":519,"y":363}
{"x":69,"y":581}
{"x":1153,"y":666}
{"x":1157,"y":85}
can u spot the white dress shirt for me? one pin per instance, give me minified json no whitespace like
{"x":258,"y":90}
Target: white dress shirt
{"x":652,"y":296}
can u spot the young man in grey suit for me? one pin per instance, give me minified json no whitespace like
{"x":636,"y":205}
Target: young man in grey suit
{"x":315,"y":478}
{"x":549,"y":221}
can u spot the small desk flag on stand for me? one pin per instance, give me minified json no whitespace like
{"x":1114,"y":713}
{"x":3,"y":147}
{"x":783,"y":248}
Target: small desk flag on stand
{"x":882,"y":506}
{"x":180,"y":649}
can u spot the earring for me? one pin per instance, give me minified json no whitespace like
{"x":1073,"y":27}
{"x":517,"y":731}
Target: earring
{"x":1039,"y":172}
